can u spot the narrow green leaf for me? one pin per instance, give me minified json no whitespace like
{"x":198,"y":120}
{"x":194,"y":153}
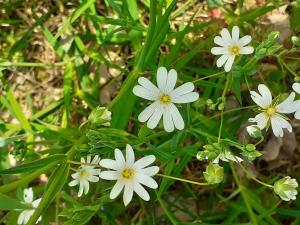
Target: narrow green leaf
{"x":34,"y":165}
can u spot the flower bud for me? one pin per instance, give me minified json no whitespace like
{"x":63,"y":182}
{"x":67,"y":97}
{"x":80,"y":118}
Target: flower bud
{"x":286,"y":188}
{"x":214,"y":174}
{"x":100,"y":116}
{"x":254,"y":131}
{"x":295,"y":40}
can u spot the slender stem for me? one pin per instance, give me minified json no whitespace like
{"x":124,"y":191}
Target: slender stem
{"x":260,"y":141}
{"x":209,"y":76}
{"x":183,"y":180}
{"x":254,"y":178}
{"x":234,"y":110}
{"x":223,"y":102}
{"x":32,"y":64}
{"x":83,"y":164}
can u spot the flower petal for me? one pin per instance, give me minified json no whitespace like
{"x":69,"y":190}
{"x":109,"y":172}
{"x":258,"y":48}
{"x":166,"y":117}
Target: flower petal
{"x":128,"y":193}
{"x":235,"y":33}
{"x":96,"y":159}
{"x":149,"y":171}
{"x":148,"y":112}
{"x":264,"y":98}
{"x":219,"y":51}
{"x":278,"y":124}
{"x":287,"y":106}
{"x":28,"y":195}
{"x":109,"y":175}
{"x":171,"y":81}
{"x":21,"y":217}
{"x":229,"y":63}
{"x":143,"y":162}
{"x":219,"y":41}
{"x":186,"y":98}
{"x":155,"y":117}
{"x":246,"y":50}
{"x":226,"y":36}
{"x":109,"y":164}
{"x":296,"y":87}
{"x":73,"y":183}
{"x":167,"y":120}
{"x":129,"y":156}
{"x":245,"y":40}
{"x":222,"y":60}
{"x":144,"y":93}
{"x":119,"y":158}
{"x":183,"y":89}
{"x":86,"y":186}
{"x":261,"y":120}
{"x":116,"y":190}
{"x":176,"y":117}
{"x":93,"y":179}
{"x":81,"y":187}
{"x":146,"y":180}
{"x":148,"y":84}
{"x":36,"y":203}
{"x":140,"y":190}
{"x":162,"y":76}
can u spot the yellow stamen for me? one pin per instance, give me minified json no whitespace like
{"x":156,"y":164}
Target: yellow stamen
{"x":234,"y":50}
{"x":165,"y":99}
{"x":128,"y":173}
{"x":84,"y":174}
{"x":271,"y":111}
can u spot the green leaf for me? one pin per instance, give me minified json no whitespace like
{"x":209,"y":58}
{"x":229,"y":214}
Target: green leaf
{"x":8,"y":203}
{"x":295,"y":17}
{"x":133,"y":9}
{"x":34,"y":165}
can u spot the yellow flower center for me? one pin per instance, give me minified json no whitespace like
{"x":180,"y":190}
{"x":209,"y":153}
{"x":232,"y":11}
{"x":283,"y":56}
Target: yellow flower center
{"x":84,"y":174}
{"x":165,"y":99}
{"x":234,"y":50}
{"x":270,"y":111}
{"x":128,"y":173}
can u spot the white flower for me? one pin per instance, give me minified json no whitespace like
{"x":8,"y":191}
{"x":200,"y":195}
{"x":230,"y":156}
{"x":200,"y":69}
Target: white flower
{"x":129,"y":174}
{"x":28,"y":200}
{"x":164,"y":97}
{"x":86,"y":174}
{"x":271,"y":111}
{"x":286,"y":188}
{"x":231,"y":46}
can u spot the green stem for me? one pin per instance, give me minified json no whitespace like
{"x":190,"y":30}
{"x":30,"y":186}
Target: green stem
{"x":183,"y":180}
{"x":31,"y":64}
{"x":209,"y":76}
{"x":223,"y":102}
{"x":254,"y":178}
{"x":244,"y":196}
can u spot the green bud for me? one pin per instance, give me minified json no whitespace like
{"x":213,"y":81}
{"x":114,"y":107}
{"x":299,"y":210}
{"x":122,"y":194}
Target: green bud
{"x":286,"y":188}
{"x":221,"y":106}
{"x":214,"y":174}
{"x":250,"y":147}
{"x":100,"y":116}
{"x":254,"y":131}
